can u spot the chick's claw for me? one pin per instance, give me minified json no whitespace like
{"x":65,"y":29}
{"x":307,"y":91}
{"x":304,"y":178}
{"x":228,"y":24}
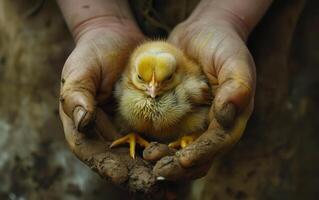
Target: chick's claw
{"x":131,"y":139}
{"x":182,"y":142}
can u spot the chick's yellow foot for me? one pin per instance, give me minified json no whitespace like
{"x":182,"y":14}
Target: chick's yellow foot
{"x":182,"y":142}
{"x":131,"y":139}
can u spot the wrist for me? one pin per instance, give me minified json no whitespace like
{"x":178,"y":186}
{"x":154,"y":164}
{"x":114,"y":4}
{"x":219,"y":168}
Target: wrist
{"x":232,"y":22}
{"x":241,"y":16}
{"x":225,"y":19}
{"x":82,"y":16}
{"x":84,"y":29}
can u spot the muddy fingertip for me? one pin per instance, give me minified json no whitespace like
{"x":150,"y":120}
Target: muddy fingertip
{"x":169,"y":168}
{"x":156,"y":151}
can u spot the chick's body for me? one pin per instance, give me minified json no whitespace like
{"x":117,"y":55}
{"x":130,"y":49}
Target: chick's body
{"x":181,"y":103}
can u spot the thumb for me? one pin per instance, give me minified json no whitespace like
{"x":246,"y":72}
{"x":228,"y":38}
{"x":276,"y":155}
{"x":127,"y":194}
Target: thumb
{"x":236,"y":88}
{"x":78,"y":103}
{"x":78,"y":90}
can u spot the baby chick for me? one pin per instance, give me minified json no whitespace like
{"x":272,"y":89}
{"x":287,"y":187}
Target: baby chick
{"x":162,"y":96}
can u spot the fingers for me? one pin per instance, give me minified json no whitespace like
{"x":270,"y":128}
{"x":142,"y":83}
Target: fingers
{"x":113,"y":164}
{"x":169,"y":168}
{"x":203,"y":149}
{"x":156,"y":151}
{"x":72,"y":136}
{"x":236,"y":131}
{"x":214,"y":141}
{"x":236,"y":86}
{"x":231,"y":98}
{"x":92,"y":152}
{"x":78,"y":89}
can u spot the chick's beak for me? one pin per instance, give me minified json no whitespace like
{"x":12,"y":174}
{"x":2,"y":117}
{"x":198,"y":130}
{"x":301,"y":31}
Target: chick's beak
{"x":152,"y":90}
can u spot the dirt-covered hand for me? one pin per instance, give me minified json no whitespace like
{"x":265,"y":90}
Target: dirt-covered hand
{"x":226,"y":61}
{"x":88,"y":77}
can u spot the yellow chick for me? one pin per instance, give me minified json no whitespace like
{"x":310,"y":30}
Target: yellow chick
{"x":162,"y":96}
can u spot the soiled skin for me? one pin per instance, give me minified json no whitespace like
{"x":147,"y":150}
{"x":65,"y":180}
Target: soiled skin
{"x":105,"y":33}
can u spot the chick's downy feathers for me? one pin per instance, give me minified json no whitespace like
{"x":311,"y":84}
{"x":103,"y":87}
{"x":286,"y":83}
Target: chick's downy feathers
{"x":162,"y":94}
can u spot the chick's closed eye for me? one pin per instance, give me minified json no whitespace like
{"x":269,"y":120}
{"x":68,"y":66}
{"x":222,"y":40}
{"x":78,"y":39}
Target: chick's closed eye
{"x":153,"y":68}
{"x":140,"y":78}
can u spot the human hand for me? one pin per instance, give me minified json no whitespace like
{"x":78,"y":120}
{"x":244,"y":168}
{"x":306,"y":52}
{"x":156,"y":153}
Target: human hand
{"x":218,"y":44}
{"x":87,"y":81}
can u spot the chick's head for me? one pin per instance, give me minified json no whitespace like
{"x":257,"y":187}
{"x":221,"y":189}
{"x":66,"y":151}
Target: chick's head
{"x":155,"y":69}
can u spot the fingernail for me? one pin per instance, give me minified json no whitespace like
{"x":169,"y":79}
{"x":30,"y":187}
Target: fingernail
{"x":226,"y":115}
{"x":78,"y":116}
{"x":160,"y":178}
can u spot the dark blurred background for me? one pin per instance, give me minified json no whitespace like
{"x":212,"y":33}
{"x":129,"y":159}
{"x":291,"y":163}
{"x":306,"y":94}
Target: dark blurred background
{"x":277,"y":158}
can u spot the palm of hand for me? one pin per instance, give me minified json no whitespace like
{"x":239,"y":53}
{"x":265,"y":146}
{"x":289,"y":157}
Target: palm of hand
{"x":92,"y":69}
{"x":87,"y":82}
{"x":230,"y":69}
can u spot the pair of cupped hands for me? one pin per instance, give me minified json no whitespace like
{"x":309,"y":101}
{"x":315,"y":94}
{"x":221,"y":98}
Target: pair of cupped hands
{"x":96,"y":63}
